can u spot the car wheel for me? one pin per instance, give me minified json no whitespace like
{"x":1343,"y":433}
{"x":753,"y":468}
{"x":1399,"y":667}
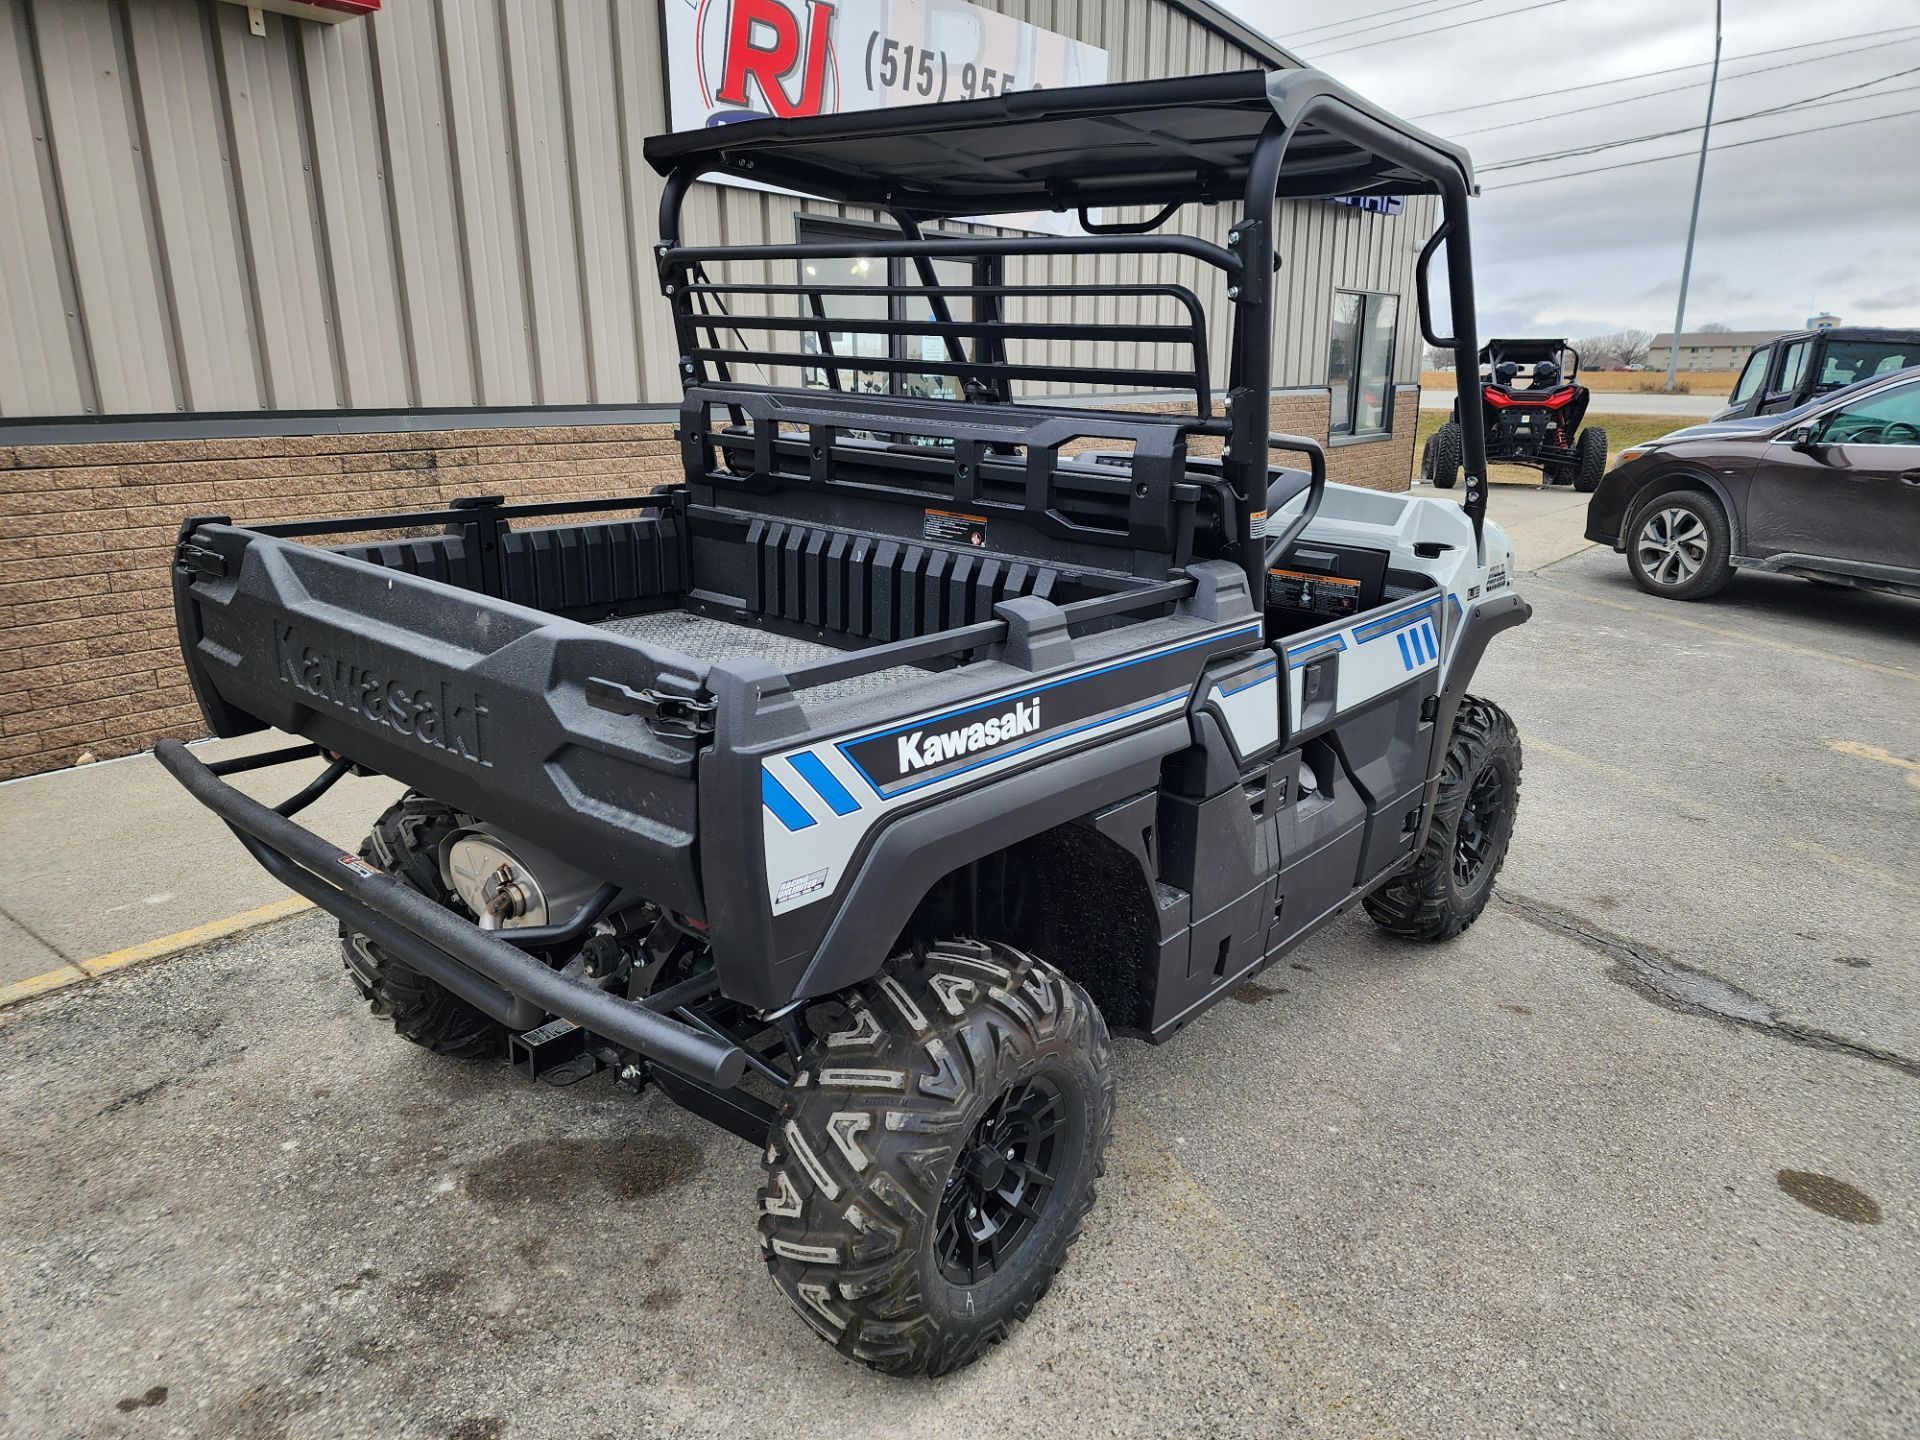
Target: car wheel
{"x":1681,"y":546}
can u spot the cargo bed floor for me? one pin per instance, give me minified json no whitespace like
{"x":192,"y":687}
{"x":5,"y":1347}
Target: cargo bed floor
{"x":705,"y":638}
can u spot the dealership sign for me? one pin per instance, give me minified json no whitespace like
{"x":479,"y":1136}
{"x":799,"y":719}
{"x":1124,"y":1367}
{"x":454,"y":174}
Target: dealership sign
{"x":732,"y":60}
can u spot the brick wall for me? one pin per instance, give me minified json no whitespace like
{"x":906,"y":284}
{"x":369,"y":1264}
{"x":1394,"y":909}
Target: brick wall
{"x":89,"y":662}
{"x":88,"y":657}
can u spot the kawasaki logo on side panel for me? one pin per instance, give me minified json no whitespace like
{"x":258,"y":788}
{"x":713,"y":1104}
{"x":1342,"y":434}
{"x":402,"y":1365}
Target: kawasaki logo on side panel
{"x":923,"y":750}
{"x":436,"y":714}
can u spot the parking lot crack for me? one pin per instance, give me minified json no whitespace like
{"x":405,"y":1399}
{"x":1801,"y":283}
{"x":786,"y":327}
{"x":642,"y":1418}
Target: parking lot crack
{"x":1692,"y":991}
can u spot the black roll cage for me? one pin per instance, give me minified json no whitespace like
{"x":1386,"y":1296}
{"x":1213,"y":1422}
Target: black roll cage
{"x":1354,"y":149}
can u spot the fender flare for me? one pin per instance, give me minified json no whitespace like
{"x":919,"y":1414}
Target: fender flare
{"x":916,"y":851}
{"x":1682,"y":477}
{"x":1485,"y":621}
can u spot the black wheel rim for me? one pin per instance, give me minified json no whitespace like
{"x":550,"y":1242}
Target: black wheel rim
{"x":1002,"y":1181}
{"x":1480,"y":822}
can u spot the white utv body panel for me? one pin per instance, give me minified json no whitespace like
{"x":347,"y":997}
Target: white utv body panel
{"x":1379,"y":648}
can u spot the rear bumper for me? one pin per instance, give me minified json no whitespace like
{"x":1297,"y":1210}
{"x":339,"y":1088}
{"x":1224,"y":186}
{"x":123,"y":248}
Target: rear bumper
{"x":483,"y":969}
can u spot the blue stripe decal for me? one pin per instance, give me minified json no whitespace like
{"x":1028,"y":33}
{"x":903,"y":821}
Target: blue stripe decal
{"x":816,"y":774}
{"x":1406,"y":655}
{"x":1331,"y":645}
{"x":1025,"y":694}
{"x":1374,"y":629}
{"x":787,"y":810}
{"x":1260,"y":677}
{"x":999,"y":755}
{"x":1433,"y":644}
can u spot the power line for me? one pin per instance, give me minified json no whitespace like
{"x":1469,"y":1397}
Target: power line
{"x":1363,"y":15}
{"x":1878,"y":36}
{"x":1437,"y":29}
{"x":1676,"y":89}
{"x":1810,"y":102}
{"x":1715,"y":150}
{"x":1404,"y":20}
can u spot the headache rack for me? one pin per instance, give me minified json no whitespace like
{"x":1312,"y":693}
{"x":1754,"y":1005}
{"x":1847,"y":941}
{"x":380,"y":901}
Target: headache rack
{"x":795,"y":358}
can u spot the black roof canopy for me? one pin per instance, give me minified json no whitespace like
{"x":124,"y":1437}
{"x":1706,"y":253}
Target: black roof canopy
{"x":1148,"y":142}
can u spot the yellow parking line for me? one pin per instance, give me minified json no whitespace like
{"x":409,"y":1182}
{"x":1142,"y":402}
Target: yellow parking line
{"x":198,"y":935}
{"x":150,"y":950}
{"x":1862,"y":751}
{"x":1751,"y":638}
{"x":1836,"y":859}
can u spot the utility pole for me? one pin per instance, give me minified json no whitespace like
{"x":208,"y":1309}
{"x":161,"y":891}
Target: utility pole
{"x":1693,"y":224}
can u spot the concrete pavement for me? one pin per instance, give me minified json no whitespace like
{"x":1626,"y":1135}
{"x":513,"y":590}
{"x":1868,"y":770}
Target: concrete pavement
{"x":1639,"y":1155}
{"x":101,"y":861}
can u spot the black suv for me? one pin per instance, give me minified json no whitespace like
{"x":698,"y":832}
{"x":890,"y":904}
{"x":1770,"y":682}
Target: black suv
{"x":1786,"y":373}
{"x":1829,"y":491}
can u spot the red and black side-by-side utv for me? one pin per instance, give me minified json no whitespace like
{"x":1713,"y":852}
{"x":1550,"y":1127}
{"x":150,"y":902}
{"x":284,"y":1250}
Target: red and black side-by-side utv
{"x":1531,"y":406}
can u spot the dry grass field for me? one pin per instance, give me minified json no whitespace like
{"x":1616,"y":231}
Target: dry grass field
{"x":1627,"y":382}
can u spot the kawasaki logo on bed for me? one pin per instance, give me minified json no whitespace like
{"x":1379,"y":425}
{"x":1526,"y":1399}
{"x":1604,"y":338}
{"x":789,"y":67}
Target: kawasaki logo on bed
{"x":952,"y":742}
{"x":924,"y":750}
{"x":436,"y":714}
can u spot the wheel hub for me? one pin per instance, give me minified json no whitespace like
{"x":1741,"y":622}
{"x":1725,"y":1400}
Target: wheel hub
{"x":1002,"y":1181}
{"x":1672,"y":546}
{"x":1473,"y":842}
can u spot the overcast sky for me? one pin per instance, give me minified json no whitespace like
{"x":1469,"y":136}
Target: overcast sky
{"x":1787,"y":228}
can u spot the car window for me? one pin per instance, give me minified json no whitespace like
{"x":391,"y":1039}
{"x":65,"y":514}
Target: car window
{"x":1890,"y":418}
{"x":1851,"y":360}
{"x":1751,"y":378}
{"x":1792,"y":366}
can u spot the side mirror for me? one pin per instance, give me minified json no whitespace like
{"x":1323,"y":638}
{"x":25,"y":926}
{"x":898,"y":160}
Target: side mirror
{"x":1801,"y":438}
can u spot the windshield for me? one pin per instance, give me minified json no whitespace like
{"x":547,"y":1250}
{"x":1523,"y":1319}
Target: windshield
{"x":1852,"y":360}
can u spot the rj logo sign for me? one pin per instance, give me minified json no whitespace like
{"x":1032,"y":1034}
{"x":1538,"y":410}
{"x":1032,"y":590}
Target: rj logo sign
{"x":774,"y":54}
{"x":747,"y":59}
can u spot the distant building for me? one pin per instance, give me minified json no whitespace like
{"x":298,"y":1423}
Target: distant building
{"x":1823,"y":321}
{"x":1709,"y":349}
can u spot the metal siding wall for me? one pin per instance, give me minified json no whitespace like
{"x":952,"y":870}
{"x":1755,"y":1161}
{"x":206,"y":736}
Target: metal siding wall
{"x":436,"y":307}
{"x":43,"y":364}
{"x":192,"y":176}
{"x":357,"y":229}
{"x":265,"y":85}
{"x":97,"y":155}
{"x":446,"y":205}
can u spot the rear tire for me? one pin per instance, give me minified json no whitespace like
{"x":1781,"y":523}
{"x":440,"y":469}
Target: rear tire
{"x":1680,"y":546}
{"x":405,"y":843}
{"x":1440,"y":461}
{"x":1449,"y":883}
{"x":968,"y":1104}
{"x":1589,"y":459}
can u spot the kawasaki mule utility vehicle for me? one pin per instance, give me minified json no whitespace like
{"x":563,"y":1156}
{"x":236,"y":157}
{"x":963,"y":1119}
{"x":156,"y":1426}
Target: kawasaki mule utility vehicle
{"x":1529,"y":410}
{"x":854,"y":789}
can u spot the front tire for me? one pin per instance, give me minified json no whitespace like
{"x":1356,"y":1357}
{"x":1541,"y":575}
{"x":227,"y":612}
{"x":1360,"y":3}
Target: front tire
{"x":932,"y":1162}
{"x":1589,"y":459}
{"x":405,"y":843}
{"x":1451,"y":880}
{"x":1440,"y":461}
{"x":1681,"y":546}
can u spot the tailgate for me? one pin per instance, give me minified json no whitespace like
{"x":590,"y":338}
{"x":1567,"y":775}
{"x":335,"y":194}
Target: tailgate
{"x":478,"y":702}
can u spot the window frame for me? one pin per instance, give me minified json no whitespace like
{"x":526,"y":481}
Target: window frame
{"x":813,"y":229}
{"x":1343,"y":414}
{"x":1758,"y":364}
{"x":1779,"y":389}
